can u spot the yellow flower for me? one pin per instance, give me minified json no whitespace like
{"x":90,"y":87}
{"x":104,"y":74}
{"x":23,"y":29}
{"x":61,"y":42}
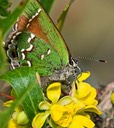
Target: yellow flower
{"x":112,"y":98}
{"x":56,"y":109}
{"x":69,"y":111}
{"x":67,"y":117}
{"x":85,"y":94}
{"x":12,"y":123}
{"x":61,"y":115}
{"x":18,"y":118}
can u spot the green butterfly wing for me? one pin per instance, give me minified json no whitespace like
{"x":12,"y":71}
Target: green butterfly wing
{"x":48,"y":49}
{"x":45,"y":65}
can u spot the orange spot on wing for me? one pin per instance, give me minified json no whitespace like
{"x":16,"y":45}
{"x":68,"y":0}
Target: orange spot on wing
{"x":22,"y":23}
{"x":37,"y":29}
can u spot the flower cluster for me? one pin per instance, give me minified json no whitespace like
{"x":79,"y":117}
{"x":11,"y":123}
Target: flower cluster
{"x":19,"y":118}
{"x":69,"y":111}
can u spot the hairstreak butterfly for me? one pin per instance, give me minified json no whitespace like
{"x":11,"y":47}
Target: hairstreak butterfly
{"x":36,"y":42}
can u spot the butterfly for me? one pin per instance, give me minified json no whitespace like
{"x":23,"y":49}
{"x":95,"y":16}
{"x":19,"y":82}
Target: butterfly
{"x":36,"y":42}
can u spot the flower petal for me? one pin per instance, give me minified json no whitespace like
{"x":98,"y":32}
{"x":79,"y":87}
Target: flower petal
{"x":8,"y":103}
{"x":12,"y":123}
{"x":57,"y":112}
{"x":90,"y":98}
{"x":44,"y":105}
{"x":71,"y":108}
{"x":61,"y":115}
{"x":92,"y":108}
{"x":52,"y":124}
{"x":79,"y":106}
{"x":54,"y":92}
{"x":112,"y":98}
{"x":65,"y":100}
{"x":83,"y":76}
{"x":22,"y":118}
{"x":80,"y":121}
{"x":74,"y":125}
{"x":83,"y":90}
{"x":40,"y":119}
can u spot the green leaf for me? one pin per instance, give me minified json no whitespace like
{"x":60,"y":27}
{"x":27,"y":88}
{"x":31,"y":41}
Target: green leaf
{"x":4,"y":4}
{"x":21,"y":79}
{"x":47,"y":5}
{"x":5,"y":115}
{"x":5,"y":25}
{"x":61,"y":19}
{"x":3,"y":12}
{"x":3,"y":61}
{"x":3,"y":58}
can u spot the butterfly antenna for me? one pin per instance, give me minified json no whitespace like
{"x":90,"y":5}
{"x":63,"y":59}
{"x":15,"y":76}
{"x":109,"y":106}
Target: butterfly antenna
{"x":87,"y":58}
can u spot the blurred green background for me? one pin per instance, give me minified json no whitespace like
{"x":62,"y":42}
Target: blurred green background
{"x":89,"y":32}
